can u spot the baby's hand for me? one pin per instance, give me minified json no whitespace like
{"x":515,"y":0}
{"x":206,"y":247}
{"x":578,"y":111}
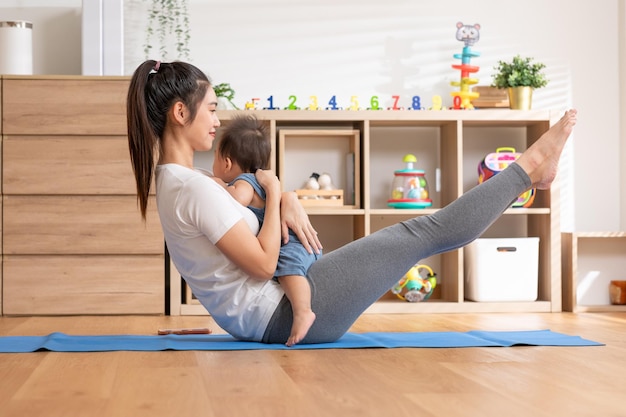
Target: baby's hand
{"x":268,"y":180}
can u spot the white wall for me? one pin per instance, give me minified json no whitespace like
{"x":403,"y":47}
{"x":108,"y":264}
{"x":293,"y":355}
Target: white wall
{"x":622,"y":83}
{"x":398,"y":47}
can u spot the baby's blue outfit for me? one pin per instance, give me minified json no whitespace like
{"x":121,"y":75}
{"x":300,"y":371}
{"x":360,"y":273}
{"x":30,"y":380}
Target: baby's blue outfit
{"x":293,"y":258}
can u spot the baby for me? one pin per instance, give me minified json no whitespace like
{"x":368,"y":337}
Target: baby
{"x":245,"y":147}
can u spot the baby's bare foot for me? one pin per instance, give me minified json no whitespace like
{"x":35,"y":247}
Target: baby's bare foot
{"x":302,"y":322}
{"x":541,"y":160}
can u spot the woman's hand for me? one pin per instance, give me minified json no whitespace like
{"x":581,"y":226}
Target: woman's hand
{"x":294,"y":217}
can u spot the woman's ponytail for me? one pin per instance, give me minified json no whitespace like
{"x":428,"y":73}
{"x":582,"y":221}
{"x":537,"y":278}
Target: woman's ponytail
{"x":142,"y":140}
{"x":154,"y":88}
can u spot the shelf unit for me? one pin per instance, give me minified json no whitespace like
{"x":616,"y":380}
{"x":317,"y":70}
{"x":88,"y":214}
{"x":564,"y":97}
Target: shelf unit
{"x":448,"y":145}
{"x":590,"y":261}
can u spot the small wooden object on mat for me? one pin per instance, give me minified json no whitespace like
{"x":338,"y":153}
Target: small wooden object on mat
{"x":202,"y":330}
{"x":320,"y":198}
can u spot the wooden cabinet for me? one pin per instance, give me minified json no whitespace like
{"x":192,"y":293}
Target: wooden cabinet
{"x":73,"y":239}
{"x":361,"y":150}
{"x":590,"y":261}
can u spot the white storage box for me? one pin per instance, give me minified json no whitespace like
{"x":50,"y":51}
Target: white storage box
{"x":502,"y":269}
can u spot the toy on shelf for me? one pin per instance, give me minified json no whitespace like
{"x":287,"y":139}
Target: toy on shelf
{"x":292,"y":103}
{"x":252,"y":104}
{"x":437,"y":104}
{"x":313,"y":105}
{"x":374,"y":104}
{"x":312,"y":183}
{"x":325,"y":182}
{"x":271,"y":106}
{"x":496,"y":162}
{"x":319,"y":190}
{"x":413,"y":287}
{"x":469,"y":35}
{"x":409,"y":188}
{"x":354,"y":103}
{"x":332,"y":104}
{"x":319,"y":182}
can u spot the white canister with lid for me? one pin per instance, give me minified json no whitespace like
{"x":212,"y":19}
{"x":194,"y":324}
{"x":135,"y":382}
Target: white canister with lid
{"x":16,"y":47}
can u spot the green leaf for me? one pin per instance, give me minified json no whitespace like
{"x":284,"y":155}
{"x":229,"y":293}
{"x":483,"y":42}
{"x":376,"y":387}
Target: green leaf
{"x":167,"y":19}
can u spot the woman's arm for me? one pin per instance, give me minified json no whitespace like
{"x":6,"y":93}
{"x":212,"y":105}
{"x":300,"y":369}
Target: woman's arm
{"x":257,"y":255}
{"x":246,"y":251}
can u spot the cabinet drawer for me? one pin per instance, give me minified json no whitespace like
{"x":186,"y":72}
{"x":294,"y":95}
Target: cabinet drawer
{"x":66,"y":165}
{"x":65,"y":106}
{"x":83,"y":285}
{"x":79,"y":225}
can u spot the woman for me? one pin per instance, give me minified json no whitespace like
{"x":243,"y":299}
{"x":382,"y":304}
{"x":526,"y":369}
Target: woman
{"x":228,"y":261}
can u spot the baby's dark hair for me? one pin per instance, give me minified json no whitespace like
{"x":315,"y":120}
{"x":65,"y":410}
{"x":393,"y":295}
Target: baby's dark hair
{"x":245,"y":140}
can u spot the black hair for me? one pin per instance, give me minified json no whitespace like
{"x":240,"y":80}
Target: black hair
{"x":154,"y":88}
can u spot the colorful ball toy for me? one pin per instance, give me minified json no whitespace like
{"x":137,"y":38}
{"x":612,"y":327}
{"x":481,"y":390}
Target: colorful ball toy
{"x":409,"y":188}
{"x":413,"y":288}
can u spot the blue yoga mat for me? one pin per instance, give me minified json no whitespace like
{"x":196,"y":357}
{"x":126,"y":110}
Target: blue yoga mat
{"x":60,"y":342}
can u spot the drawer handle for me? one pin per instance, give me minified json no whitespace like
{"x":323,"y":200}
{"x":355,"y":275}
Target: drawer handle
{"x":506,"y":249}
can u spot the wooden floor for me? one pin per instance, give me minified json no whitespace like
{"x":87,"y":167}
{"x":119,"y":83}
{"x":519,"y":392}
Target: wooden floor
{"x":517,"y":381}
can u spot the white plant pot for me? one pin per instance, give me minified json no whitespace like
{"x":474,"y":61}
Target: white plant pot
{"x":225,"y":104}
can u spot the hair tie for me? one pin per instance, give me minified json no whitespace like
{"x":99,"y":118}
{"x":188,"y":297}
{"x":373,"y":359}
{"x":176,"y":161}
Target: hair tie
{"x":155,"y":69}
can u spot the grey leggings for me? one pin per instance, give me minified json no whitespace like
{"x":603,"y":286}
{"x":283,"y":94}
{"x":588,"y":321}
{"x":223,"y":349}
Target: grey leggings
{"x":346,"y":281}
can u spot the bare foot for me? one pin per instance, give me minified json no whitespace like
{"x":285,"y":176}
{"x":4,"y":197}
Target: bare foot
{"x":302,"y":322}
{"x":541,"y":160}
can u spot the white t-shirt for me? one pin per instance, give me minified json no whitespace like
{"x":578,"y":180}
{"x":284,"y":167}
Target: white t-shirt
{"x":195,"y":213}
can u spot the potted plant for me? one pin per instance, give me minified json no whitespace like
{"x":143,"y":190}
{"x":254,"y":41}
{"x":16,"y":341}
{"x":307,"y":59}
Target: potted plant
{"x":520,"y":77}
{"x":225,"y":95}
